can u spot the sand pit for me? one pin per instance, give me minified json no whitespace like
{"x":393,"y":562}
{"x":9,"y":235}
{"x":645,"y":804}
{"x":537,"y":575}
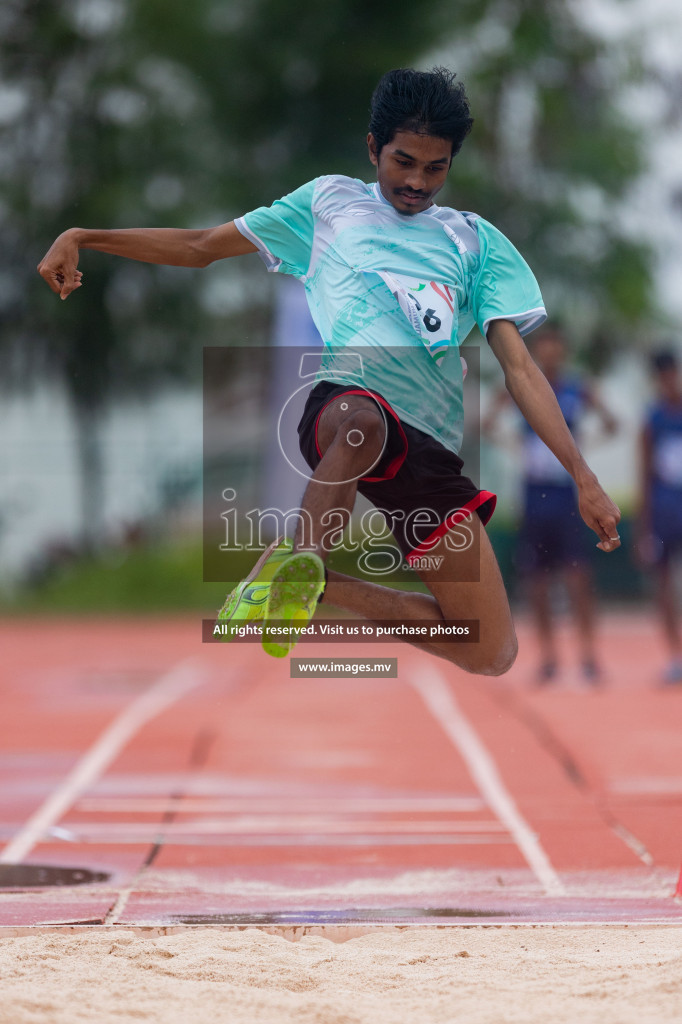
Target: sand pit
{"x":610,"y":975}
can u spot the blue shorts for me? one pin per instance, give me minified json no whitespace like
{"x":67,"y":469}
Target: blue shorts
{"x":666,"y":522}
{"x":553,"y":534}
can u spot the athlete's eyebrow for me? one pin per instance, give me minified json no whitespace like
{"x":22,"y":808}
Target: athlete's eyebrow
{"x":408,"y":156}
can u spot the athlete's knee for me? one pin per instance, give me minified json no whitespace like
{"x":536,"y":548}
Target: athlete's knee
{"x":363,"y":431}
{"x":502,"y":659}
{"x":484,"y":661}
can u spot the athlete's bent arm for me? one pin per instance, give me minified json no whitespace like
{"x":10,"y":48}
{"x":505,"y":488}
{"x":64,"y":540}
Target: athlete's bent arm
{"x":176,"y":247}
{"x":532,"y":393}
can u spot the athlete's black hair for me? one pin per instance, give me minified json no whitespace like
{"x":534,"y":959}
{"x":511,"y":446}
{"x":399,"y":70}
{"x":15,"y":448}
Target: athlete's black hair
{"x":426,"y":102}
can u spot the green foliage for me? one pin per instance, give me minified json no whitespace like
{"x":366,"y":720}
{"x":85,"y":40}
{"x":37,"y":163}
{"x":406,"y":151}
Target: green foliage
{"x":149,"y":578}
{"x":167,"y":113}
{"x":146,"y":579}
{"x":164,"y":112}
{"x":552,"y":156}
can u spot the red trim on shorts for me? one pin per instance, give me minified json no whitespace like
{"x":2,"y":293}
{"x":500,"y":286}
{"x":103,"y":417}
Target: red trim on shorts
{"x":455,"y":517}
{"x":395,"y":464}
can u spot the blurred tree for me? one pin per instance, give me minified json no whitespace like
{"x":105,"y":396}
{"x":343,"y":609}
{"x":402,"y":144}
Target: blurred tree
{"x":553,"y":157}
{"x":124,"y":112}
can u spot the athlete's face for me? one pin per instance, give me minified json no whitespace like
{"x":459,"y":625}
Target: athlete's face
{"x":411,"y":169}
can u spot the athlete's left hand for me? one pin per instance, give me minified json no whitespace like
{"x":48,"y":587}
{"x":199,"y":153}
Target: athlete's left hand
{"x":600,"y":513}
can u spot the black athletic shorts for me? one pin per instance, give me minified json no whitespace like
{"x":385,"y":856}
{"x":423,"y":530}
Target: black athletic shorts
{"x":417,"y":484}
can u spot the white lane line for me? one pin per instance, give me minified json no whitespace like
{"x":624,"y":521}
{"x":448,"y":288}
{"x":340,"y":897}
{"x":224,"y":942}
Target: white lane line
{"x":282,"y":805}
{"x":307,"y":839}
{"x":173,"y":685}
{"x":275,"y":826}
{"x":441,"y":702}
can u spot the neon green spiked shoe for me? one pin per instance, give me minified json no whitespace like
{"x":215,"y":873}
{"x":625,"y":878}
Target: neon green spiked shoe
{"x":294,"y":593}
{"x":248,"y":601}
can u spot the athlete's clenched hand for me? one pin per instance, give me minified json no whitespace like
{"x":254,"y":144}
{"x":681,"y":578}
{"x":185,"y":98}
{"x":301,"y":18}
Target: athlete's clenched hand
{"x":59,"y":265}
{"x":600,"y":513}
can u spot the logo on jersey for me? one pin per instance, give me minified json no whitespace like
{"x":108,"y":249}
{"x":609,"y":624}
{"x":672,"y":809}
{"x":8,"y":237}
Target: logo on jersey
{"x":429,"y":307}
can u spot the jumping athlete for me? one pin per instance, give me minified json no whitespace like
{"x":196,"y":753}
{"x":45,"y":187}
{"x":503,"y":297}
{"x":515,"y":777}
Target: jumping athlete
{"x":401,"y":281}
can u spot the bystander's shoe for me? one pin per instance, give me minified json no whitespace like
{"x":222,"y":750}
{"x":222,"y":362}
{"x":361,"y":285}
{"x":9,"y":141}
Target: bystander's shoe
{"x":547,"y":673}
{"x":592,"y":674}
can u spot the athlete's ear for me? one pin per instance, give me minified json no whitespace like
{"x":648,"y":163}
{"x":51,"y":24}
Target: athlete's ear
{"x":372,"y":147}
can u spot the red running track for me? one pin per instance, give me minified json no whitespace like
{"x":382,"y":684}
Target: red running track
{"x":152,"y":780}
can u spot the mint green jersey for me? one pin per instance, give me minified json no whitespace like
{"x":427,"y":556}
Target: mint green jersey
{"x":394,"y":296}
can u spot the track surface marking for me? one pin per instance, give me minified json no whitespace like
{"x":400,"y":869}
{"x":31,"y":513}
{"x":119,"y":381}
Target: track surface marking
{"x":200,"y":784}
{"x":175,"y":684}
{"x":440,"y":701}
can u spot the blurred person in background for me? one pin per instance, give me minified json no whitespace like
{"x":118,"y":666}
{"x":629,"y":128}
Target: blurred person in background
{"x":659,"y":520}
{"x":553,"y":541}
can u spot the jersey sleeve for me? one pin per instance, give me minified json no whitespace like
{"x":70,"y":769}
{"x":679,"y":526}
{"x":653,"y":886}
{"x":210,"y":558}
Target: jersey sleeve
{"x":283,"y":232}
{"x":504,"y":287}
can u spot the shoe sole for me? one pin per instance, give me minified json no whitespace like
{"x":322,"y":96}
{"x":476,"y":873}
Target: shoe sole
{"x":293,"y":598}
{"x":249,"y":579}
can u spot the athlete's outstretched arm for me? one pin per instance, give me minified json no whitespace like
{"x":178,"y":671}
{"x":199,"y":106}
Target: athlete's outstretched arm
{"x":175,"y":247}
{"x":532,"y":393}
